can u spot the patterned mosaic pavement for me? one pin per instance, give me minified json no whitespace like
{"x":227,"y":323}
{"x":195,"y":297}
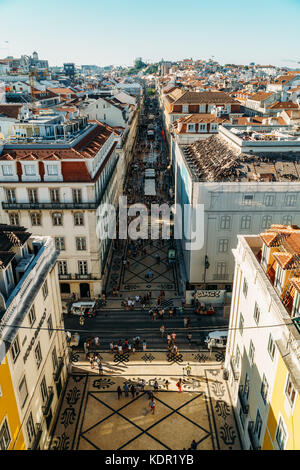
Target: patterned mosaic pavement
{"x":92,"y":417}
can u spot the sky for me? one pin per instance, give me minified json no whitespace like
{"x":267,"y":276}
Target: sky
{"x":104,"y":32}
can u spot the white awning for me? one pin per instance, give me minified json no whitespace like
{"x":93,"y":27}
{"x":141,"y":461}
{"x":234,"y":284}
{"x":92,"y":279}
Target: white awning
{"x":150,"y":187}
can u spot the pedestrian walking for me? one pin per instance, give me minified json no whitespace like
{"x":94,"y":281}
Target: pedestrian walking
{"x":152,"y":405}
{"x":183,"y":374}
{"x":188,"y":369}
{"x":111,"y":347}
{"x":162,"y":330}
{"x":100,"y":367}
{"x":97,"y":341}
{"x":167,"y":384}
{"x":178,"y":385}
{"x":189,"y":338}
{"x":170,"y":313}
{"x":119,"y":391}
{"x":169,"y":339}
{"x":173,"y":336}
{"x":126,"y":389}
{"x":92,"y":361}
{"x":132,"y":390}
{"x":155,"y":386}
{"x":144,"y":345}
{"x":143,"y":383}
{"x":193,"y":445}
{"x":85,"y":347}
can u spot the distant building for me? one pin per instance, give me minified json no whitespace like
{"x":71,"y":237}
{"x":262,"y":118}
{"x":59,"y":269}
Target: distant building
{"x":70,"y":70}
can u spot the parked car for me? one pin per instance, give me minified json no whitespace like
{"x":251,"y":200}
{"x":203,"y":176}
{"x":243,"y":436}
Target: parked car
{"x":84,"y":308}
{"x":216,"y":339}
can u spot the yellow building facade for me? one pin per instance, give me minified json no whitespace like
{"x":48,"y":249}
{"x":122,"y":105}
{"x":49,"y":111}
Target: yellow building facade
{"x":11,"y":436}
{"x":283,"y":407}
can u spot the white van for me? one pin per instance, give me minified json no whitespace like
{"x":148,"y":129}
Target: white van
{"x":82,"y":308}
{"x":216,"y":339}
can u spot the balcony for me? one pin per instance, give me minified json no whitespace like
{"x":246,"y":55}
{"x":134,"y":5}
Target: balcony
{"x":76,"y":277}
{"x":253,"y":437}
{"x":37,"y":438}
{"x":220,"y":277}
{"x":46,"y":407}
{"x":60,"y":366}
{"x":243,"y":400}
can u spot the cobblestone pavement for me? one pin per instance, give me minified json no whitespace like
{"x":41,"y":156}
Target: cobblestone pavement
{"x":92,"y":418}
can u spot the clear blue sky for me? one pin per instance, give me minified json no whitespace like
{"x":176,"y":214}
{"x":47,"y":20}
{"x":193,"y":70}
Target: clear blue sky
{"x":106,"y":32}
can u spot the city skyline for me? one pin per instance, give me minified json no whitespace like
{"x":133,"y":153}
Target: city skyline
{"x":132,"y":30}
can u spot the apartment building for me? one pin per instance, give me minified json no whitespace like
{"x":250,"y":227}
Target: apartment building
{"x":56,"y":187}
{"x":262,"y":360}
{"x":33,"y":353}
{"x":244,"y":184}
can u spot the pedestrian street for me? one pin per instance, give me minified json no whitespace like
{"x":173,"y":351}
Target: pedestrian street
{"x":92,"y":417}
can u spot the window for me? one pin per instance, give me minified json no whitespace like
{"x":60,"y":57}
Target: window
{"x":266,"y":221}
{"x":245,"y":287}
{"x":271,"y":347}
{"x":191,"y":127}
{"x":15,"y":349}
{"x":11,"y":196}
{"x":256,"y":313}
{"x":31,"y":316}
{"x":223,"y":245}
{"x":185,"y":109}
{"x":248,"y":199}
{"x":213,"y":127}
{"x":7,"y":170}
{"x":264,"y":389}
{"x":5,"y":437}
{"x":54,"y":195}
{"x":45,"y":289}
{"x":237,"y":357}
{"x":269,"y":200}
{"x":50,"y":326}
{"x":242,"y":418}
{"x":44,"y":390}
{"x":290,"y":200}
{"x":203,"y":108}
{"x":80,"y":243}
{"x":251,"y":353}
{"x":32,"y":196}
{"x":30,"y":428}
{"x":246,"y":386}
{"x":23,"y":391}
{"x":264,"y":258}
{"x":77,"y":195}
{"x":281,"y":434}
{"x":14,"y":218}
{"x":241,"y":324}
{"x":290,"y":391}
{"x":78,"y":218}
{"x":30,"y":170}
{"x":60,"y":243}
{"x":225,"y":222}
{"x":287,"y":220}
{"x":62,"y":267}
{"x":258,"y":425}
{"x":221,"y":269}
{"x":35,"y":218}
{"x":57,"y":218}
{"x":201,"y":127}
{"x":54,"y":359}
{"x":82,"y":267}
{"x":38,"y":355}
{"x":279,"y":278}
{"x":296,"y":306}
{"x":246,"y":222}
{"x":52,"y":170}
